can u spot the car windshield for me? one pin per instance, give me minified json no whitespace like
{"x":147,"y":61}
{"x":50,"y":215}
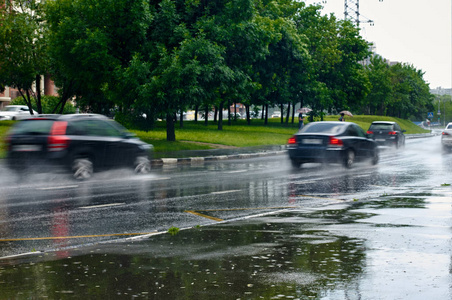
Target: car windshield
{"x":11,"y":108}
{"x":327,"y":128}
{"x":449,"y":126}
{"x":40,"y":126}
{"x":380,"y":127}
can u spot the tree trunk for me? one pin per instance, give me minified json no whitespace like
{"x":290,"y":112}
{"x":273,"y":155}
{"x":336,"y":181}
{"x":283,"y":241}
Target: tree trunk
{"x":206,"y":115}
{"x":170,"y":132}
{"x":229,"y":113}
{"x":248,"y":117}
{"x":215,"y":114}
{"x":220,"y":116}
{"x":282,"y":113}
{"x":38,"y":95}
{"x":181,"y":119}
{"x":266,"y":114}
{"x":288,"y":113}
{"x":196,"y":113}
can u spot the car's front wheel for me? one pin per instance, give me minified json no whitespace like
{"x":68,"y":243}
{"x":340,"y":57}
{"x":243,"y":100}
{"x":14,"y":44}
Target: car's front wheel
{"x":82,"y":168}
{"x":349,"y":158}
{"x":142,"y":165}
{"x":375,"y":157}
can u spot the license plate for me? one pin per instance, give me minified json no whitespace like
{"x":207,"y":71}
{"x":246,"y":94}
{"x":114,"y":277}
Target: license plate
{"x":312,"y":141}
{"x":26,"y":148}
{"x":380,"y":140}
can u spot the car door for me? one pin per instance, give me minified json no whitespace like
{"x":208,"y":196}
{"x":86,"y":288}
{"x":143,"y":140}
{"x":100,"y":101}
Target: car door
{"x":113,"y":141}
{"x":358,"y":140}
{"x":87,"y":139}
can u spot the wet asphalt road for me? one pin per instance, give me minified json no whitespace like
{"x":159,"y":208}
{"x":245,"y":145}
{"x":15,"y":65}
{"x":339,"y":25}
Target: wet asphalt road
{"x":254,"y":229}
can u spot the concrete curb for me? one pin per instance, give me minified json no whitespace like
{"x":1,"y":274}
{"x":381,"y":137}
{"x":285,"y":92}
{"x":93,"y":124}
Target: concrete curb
{"x":194,"y":160}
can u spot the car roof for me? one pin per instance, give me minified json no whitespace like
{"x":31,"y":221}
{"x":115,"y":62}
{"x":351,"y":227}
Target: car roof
{"x":383,"y":122}
{"x":69,"y":116}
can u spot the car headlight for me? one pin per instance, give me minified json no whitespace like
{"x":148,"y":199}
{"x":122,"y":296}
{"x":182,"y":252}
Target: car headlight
{"x":146,"y":147}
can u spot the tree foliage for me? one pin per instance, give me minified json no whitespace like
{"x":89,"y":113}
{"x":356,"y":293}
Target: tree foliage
{"x":23,"y":48}
{"x":149,"y":60}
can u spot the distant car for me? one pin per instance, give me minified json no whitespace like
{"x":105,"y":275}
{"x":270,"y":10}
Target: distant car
{"x":446,"y":137}
{"x":333,"y":142}
{"x":79,"y":143}
{"x":387,"y":133}
{"x":15,"y":112}
{"x":276,"y":114}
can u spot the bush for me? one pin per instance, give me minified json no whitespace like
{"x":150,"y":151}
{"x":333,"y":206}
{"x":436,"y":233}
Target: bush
{"x":48,"y":104}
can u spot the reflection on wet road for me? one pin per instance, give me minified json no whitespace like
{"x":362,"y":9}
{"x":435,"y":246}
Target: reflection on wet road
{"x":321,"y":232}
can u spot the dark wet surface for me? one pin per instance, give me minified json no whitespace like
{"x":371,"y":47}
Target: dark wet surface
{"x":321,"y":232}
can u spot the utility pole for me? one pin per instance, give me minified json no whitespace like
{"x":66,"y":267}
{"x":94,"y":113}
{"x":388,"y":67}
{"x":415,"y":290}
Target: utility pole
{"x":351,"y":12}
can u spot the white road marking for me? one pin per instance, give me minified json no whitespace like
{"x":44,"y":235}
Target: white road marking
{"x":238,"y":171}
{"x":58,"y":187}
{"x":224,"y":192}
{"x":103,"y":205}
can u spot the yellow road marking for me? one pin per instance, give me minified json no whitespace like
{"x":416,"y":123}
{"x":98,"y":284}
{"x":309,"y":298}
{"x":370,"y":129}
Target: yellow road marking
{"x":231,"y":209}
{"x":74,"y":236}
{"x":249,"y":208}
{"x":204,"y":216}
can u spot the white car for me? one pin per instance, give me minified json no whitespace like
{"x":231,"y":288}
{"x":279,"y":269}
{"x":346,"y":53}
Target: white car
{"x":15,"y":112}
{"x":446,"y":137}
{"x":276,"y":114}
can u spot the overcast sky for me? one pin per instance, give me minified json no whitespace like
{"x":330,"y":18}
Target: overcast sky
{"x":407,"y":31}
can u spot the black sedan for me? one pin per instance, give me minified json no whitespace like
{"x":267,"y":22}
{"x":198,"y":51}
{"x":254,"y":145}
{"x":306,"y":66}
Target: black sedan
{"x":387,"y":133}
{"x":332,"y":142}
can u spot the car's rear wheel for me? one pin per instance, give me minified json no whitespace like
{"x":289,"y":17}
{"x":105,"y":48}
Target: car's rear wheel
{"x":142,"y":165}
{"x":82,"y":168}
{"x":295,"y":164}
{"x":349,"y":159}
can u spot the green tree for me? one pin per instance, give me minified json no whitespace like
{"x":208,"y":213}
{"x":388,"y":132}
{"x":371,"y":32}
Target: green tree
{"x":380,"y":95}
{"x":23,"y":56}
{"x":238,"y":27}
{"x":91,"y":42}
{"x":411,"y":94}
{"x":337,"y":50}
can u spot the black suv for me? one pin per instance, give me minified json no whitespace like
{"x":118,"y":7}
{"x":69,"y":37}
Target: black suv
{"x":387,"y":133}
{"x":80,"y":143}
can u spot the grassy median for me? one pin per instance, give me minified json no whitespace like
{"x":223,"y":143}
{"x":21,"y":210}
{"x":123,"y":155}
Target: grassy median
{"x":197,"y":136}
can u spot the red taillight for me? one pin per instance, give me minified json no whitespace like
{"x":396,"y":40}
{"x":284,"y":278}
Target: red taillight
{"x":392,"y":132}
{"x":370,"y":132}
{"x":335,"y":142}
{"x":292,"y":141}
{"x":57,"y":140}
{"x":445,"y":133}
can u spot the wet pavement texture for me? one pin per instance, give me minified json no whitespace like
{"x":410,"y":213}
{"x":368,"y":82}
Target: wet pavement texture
{"x":379,"y":232}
